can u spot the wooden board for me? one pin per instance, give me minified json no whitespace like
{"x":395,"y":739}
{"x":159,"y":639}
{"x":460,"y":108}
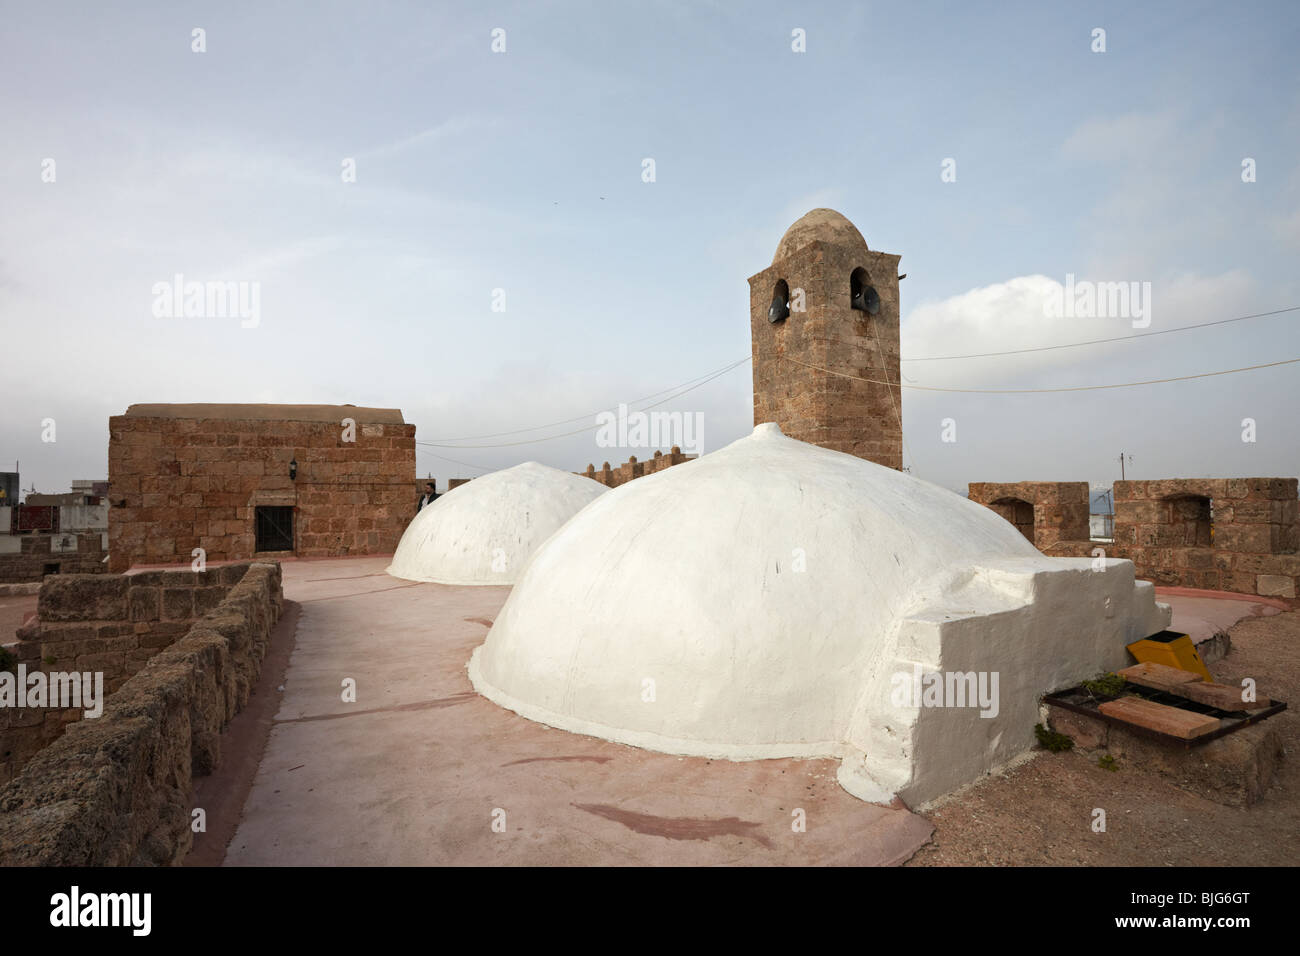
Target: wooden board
{"x":1189,"y":685}
{"x":1167,"y":720}
{"x":1222,"y":696}
{"x":1159,"y":676}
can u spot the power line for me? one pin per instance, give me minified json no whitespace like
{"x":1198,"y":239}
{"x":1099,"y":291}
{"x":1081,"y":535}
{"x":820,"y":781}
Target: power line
{"x":578,"y":418}
{"x":1118,"y":338}
{"x":452,"y":460}
{"x":898,"y":412}
{"x":578,"y":431}
{"x":1068,"y":388}
{"x":692,"y":384}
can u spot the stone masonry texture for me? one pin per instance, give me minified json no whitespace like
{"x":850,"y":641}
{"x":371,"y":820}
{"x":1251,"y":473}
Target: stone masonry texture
{"x":1218,"y":534}
{"x":1046,"y":512}
{"x":862,"y":418}
{"x":109,"y":624}
{"x":179,"y":483}
{"x":118,"y":790}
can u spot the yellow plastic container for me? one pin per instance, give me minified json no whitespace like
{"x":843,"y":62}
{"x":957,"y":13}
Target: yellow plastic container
{"x":1171,"y":649}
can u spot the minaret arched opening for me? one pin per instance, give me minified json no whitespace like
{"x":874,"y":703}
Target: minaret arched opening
{"x":779,"y":310}
{"x":862,"y":296}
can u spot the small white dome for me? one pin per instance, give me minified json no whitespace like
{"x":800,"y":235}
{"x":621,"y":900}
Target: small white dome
{"x":757,"y":602}
{"x":485,"y":531}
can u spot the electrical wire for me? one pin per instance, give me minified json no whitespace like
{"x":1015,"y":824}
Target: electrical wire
{"x":1118,"y":338}
{"x":578,"y":418}
{"x":1068,"y":388}
{"x":587,"y":428}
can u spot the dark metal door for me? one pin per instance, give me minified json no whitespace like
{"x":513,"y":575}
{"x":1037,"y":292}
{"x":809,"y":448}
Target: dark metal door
{"x":274,"y":527}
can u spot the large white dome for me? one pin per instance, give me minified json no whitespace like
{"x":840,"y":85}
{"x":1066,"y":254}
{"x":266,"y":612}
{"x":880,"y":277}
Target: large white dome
{"x":759,"y":601}
{"x":485,"y":531}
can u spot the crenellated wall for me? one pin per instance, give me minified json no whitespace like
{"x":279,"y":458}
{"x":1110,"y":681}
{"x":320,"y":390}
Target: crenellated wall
{"x":1219,"y":534}
{"x":631,"y":469}
{"x":1046,"y":512}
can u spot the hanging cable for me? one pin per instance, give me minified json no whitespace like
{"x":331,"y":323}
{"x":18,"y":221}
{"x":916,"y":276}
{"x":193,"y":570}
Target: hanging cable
{"x":592,"y":427}
{"x":1068,"y":388}
{"x":1118,"y":338}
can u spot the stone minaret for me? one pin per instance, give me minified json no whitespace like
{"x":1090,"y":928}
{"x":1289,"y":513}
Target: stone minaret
{"x":828,"y":301}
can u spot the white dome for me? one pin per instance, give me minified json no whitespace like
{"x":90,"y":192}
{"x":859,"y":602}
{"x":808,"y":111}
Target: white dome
{"x":757,"y":602}
{"x":486,"y":530}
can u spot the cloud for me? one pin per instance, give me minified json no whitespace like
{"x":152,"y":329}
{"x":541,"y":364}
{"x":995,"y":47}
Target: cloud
{"x":1288,"y":228}
{"x":1125,"y":141}
{"x":449,"y":129}
{"x":1011,"y":316}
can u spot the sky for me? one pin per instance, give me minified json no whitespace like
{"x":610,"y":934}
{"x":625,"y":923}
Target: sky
{"x":499,"y":262}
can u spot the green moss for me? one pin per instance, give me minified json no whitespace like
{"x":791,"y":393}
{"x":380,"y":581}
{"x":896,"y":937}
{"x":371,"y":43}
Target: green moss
{"x":1050,"y":740}
{"x":1106,"y":685}
{"x":1107,"y":762}
{"x":51,"y":660}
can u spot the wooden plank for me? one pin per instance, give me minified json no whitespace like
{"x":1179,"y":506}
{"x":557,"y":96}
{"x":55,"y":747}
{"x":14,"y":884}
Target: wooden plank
{"x":1167,"y":720}
{"x":1159,"y":676}
{"x":1222,"y":696}
{"x":1189,"y":685}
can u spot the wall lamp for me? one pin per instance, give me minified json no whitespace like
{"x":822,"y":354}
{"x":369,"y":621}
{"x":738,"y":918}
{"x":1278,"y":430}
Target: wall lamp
{"x":293,"y":469}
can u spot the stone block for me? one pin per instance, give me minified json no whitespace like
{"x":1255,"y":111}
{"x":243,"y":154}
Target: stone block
{"x":84,"y":597}
{"x":145,"y":603}
{"x":1086,"y":732}
{"x":177,"y":604}
{"x":1275,"y":585}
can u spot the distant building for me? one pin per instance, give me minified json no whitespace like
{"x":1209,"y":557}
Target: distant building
{"x":52,"y":534}
{"x":232,"y":482}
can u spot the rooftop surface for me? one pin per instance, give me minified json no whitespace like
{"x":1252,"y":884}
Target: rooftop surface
{"x":416,"y":771}
{"x":413,"y":772}
{"x":292,"y":413}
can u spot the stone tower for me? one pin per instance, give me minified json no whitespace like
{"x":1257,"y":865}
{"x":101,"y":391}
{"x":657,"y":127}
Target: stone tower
{"x":829,"y":302}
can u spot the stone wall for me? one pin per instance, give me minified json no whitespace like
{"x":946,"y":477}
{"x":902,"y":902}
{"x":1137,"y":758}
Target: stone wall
{"x":1218,"y":534}
{"x":117,"y":790}
{"x":1045,"y":512}
{"x":176,"y":483}
{"x":107,"y":624}
{"x":29,"y":557}
{"x":631,"y":469}
{"x":1243,"y":538}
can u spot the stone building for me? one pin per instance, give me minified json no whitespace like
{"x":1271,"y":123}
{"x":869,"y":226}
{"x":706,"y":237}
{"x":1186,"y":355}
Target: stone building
{"x":241,"y":481}
{"x":37,"y":540}
{"x":824,"y":322}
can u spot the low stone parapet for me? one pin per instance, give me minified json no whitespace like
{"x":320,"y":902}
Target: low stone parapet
{"x":116,"y":790}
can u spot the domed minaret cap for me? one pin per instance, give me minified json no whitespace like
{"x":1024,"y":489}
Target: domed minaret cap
{"x":824,"y":224}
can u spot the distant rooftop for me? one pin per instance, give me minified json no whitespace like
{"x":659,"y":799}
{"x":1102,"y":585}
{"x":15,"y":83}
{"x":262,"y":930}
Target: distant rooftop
{"x":293,"y":413}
